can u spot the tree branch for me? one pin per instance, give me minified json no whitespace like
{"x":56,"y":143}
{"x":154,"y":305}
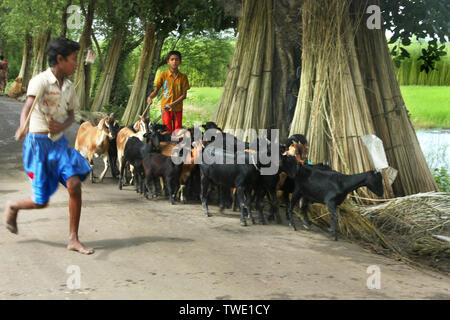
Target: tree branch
{"x":102,"y":65}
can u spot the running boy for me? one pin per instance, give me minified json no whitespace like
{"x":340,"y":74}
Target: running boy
{"x":175,"y":86}
{"x":47,"y":159}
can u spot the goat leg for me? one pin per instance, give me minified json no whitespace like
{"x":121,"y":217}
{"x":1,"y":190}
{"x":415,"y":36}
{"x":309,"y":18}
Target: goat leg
{"x":259,"y":206}
{"x":147,"y":185}
{"x":122,"y":168}
{"x":221,"y":200}
{"x":274,"y":204}
{"x":169,"y":189}
{"x":248,"y":203}
{"x":240,"y":196}
{"x":204,"y":183}
{"x":106,"y":163}
{"x":91,"y":163}
{"x":304,"y":207}
{"x":295,"y":198}
{"x":154,"y":194}
{"x":234,"y":200}
{"x":334,"y":220}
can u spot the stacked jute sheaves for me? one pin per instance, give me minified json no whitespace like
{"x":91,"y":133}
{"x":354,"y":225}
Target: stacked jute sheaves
{"x":348,"y":89}
{"x":414,"y":228}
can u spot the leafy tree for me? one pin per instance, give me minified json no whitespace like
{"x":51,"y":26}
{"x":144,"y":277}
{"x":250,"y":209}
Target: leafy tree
{"x":426,"y":20}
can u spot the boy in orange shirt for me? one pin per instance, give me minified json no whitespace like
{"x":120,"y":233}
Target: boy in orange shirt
{"x":175,"y":85}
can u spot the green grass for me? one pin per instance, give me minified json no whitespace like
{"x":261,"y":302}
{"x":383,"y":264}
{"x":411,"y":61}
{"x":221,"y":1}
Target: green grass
{"x":429,"y":107}
{"x":199,"y":106}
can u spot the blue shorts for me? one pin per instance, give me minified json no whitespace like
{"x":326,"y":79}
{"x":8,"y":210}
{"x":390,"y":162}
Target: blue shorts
{"x":47,"y":163}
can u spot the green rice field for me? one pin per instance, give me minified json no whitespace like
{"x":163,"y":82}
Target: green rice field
{"x":428,"y":106}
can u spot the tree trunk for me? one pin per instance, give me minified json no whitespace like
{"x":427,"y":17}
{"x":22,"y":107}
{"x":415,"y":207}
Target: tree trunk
{"x":40,"y":45}
{"x":343,"y":96}
{"x":155,"y":63}
{"x":83,"y":73}
{"x":137,"y":100}
{"x":264,"y":60}
{"x":255,"y":91}
{"x":118,"y":96}
{"x":25,"y":68}
{"x":104,"y":91}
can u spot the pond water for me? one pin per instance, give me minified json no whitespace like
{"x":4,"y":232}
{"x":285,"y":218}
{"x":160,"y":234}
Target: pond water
{"x":435,"y":145}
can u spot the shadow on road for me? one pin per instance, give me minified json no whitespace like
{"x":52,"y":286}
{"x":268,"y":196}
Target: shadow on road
{"x":105,"y":247}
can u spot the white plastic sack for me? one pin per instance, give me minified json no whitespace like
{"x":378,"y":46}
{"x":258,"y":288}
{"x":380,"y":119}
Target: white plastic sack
{"x":376,"y":152}
{"x":90,"y":57}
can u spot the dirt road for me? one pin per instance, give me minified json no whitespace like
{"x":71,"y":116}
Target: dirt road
{"x":149,"y":249}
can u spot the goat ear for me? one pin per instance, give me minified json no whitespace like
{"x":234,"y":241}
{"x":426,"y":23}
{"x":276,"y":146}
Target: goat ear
{"x":111,"y":115}
{"x":100,"y":124}
{"x":136,"y":126}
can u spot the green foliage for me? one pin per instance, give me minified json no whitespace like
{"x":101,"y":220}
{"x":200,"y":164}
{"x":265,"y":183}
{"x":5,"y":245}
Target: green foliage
{"x":12,"y":50}
{"x":19,"y":17}
{"x":204,"y":60}
{"x":117,"y":110}
{"x":423,"y":19}
{"x":442,"y":178}
{"x":408,"y":70}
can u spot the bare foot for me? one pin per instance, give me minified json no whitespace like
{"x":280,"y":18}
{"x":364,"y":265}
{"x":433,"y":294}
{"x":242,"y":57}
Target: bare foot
{"x":78,"y":246}
{"x":10,"y":218}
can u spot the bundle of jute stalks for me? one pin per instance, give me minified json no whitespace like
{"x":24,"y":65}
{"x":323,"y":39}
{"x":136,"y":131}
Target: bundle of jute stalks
{"x":419,"y":225}
{"x":415,"y":227}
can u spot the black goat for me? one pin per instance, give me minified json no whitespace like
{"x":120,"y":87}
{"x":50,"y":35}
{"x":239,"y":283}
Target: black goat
{"x":157,"y":165}
{"x":287,"y":186}
{"x":243,"y":177}
{"x":267,"y":185}
{"x":112,"y":150}
{"x":330,"y":187}
{"x":134,"y":152}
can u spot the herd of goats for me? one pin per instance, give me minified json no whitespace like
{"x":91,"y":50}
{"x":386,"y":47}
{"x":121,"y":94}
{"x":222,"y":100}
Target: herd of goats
{"x":177,"y":160}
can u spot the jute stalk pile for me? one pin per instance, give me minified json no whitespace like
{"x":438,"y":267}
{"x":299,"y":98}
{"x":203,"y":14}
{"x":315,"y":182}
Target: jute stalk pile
{"x":348,"y":89}
{"x":246,"y":101}
{"x":416,"y":227}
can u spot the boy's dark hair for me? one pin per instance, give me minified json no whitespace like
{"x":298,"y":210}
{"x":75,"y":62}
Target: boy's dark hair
{"x":1,"y":57}
{"x":62,"y":46}
{"x":174,"y":52}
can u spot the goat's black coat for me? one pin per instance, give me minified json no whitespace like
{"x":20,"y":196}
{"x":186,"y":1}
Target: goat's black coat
{"x":330,"y":187}
{"x":157,"y":165}
{"x":112,"y":150}
{"x":243,"y":177}
{"x":134,"y":152}
{"x":267,"y":185}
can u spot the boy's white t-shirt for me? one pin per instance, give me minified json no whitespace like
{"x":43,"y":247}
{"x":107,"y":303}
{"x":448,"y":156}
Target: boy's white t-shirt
{"x":54,"y":103}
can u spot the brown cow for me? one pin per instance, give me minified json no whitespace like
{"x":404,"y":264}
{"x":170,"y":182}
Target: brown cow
{"x":93,"y":141}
